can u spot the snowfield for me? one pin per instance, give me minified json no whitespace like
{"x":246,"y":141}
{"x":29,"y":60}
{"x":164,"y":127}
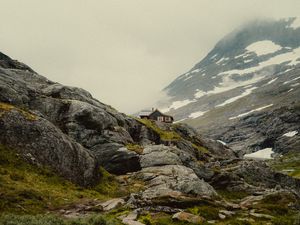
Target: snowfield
{"x":290,"y":134}
{"x":290,"y":57}
{"x":296,"y":23}
{"x":261,"y":154}
{"x":177,"y":104}
{"x":245,"y":93}
{"x":252,"y":111}
{"x":263,"y":47}
{"x":196,"y":114}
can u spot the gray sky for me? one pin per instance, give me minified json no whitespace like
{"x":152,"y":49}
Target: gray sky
{"x":124,"y":52}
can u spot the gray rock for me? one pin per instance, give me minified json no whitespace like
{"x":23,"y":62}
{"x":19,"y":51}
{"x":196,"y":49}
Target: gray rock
{"x":41,"y":140}
{"x":173,"y":181}
{"x":159,"y":155}
{"x":112,"y":204}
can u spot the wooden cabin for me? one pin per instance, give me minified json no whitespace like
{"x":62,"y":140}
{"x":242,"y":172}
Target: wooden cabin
{"x":157,"y":116}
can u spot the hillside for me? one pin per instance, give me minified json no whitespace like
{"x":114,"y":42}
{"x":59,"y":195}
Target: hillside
{"x":252,"y":73}
{"x":67,"y":158}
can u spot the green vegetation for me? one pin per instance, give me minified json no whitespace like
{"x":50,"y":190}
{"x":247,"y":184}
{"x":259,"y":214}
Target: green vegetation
{"x":288,"y":164}
{"x":164,"y":135}
{"x":28,"y":189}
{"x":4,"y":108}
{"x":201,"y":149}
{"x":135,"y":147}
{"x":232,"y":195}
{"x":276,"y":205}
{"x":10,"y":219}
{"x":160,"y":219}
{"x":207,"y":211}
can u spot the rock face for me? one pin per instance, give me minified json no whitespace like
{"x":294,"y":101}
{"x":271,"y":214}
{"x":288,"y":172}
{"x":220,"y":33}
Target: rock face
{"x":264,"y":130}
{"x":173,"y":181}
{"x":68,"y":130}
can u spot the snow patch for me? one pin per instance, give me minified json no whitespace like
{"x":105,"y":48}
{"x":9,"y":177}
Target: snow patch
{"x":263,"y":47}
{"x":245,"y":93}
{"x":295,"y":85}
{"x":290,"y":81}
{"x":265,"y":153}
{"x":272,"y":81}
{"x":290,"y":57}
{"x":222,"y":142}
{"x":296,"y":23}
{"x":196,"y":114}
{"x":185,"y":79}
{"x":290,"y":134}
{"x":195,"y":71}
{"x":252,"y":111}
{"x":177,"y":105}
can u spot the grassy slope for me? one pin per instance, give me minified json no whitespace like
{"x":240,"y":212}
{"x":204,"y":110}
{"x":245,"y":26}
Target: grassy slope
{"x":25,"y":188}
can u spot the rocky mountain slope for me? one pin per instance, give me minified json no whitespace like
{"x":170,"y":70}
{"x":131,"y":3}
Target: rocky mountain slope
{"x":58,"y":142}
{"x":252,"y":70}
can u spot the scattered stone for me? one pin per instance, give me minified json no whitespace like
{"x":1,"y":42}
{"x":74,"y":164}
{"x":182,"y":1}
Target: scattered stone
{"x":221,"y":216}
{"x":227,"y":213}
{"x":188,"y":217}
{"x":111,"y":204}
{"x":130,"y":219}
{"x":260,"y":215}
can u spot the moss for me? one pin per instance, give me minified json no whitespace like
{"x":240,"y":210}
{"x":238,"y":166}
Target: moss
{"x":4,"y":107}
{"x":200,"y":148}
{"x":288,"y":164}
{"x":206,"y":211}
{"x":135,"y":147}
{"x":276,"y":204}
{"x":160,"y":219}
{"x":26,"y":188}
{"x":11,"y":219}
{"x":164,"y":135}
{"x":232,"y":195}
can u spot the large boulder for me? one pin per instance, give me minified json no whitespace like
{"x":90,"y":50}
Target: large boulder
{"x":39,"y":141}
{"x":172,"y":181}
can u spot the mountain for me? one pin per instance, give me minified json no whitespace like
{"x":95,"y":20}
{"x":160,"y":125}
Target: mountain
{"x":67,"y":158}
{"x":251,"y":74}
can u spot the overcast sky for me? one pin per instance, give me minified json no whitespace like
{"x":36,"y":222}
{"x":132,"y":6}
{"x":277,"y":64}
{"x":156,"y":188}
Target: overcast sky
{"x":124,"y":52}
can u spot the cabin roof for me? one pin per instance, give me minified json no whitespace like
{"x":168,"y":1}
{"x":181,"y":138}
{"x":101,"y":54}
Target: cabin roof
{"x":148,"y":113}
{"x":156,"y":110}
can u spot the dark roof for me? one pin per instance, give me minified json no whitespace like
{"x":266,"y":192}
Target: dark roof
{"x":156,"y":110}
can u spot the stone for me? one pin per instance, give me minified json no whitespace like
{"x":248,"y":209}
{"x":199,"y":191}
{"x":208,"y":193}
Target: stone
{"x":173,"y":181}
{"x":131,"y":218}
{"x":112,"y":204}
{"x":222,"y":216}
{"x":188,"y":217}
{"x":159,"y":155}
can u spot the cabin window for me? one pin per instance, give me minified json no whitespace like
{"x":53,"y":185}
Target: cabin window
{"x":160,"y":118}
{"x":168,"y":119}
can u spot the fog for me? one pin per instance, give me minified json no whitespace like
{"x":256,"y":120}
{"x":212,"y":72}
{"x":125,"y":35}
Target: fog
{"x":123,"y":52}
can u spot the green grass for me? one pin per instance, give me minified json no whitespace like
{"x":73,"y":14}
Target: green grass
{"x":164,"y":135}
{"x":28,"y":189}
{"x":232,"y":195}
{"x":290,"y":161}
{"x":10,"y":219}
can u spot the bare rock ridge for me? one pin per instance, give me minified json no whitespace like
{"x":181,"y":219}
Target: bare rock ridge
{"x":67,"y":130}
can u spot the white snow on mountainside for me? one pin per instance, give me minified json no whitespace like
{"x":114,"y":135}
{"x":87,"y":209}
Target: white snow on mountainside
{"x":246,"y":64}
{"x":263,"y":47}
{"x":296,"y":23}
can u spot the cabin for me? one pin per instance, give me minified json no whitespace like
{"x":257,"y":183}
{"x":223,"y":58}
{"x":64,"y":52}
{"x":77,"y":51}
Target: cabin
{"x":156,"y":115}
